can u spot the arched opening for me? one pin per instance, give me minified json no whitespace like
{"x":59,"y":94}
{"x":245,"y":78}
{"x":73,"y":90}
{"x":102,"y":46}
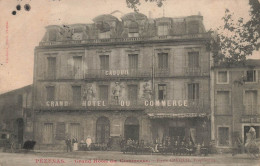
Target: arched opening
{"x":20,"y":126}
{"x":102,"y":130}
{"x":131,"y":128}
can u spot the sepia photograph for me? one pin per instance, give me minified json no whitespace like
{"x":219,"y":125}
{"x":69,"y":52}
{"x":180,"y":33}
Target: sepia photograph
{"x":130,"y":82}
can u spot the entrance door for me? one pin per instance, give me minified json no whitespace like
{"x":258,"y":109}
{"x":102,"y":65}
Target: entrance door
{"x":177,"y":131}
{"x":247,"y":128}
{"x":131,"y":128}
{"x":102,"y":130}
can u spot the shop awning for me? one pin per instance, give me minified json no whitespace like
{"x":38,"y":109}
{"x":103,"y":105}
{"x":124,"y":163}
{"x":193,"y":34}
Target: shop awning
{"x":172,"y":115}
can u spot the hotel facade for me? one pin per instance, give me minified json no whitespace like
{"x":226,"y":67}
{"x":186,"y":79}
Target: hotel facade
{"x":133,"y":77}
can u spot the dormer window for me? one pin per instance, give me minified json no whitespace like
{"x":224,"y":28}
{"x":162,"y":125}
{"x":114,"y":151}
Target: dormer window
{"x":163,"y":29}
{"x":193,"y":27}
{"x":104,"y":30}
{"x":133,"y":29}
{"x":52,"y":35}
{"x":77,"y":33}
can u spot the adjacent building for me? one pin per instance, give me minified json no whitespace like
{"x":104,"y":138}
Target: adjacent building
{"x":236,"y":102}
{"x":16,"y":113}
{"x":133,"y":77}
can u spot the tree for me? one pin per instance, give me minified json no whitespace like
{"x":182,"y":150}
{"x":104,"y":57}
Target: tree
{"x":133,"y":4}
{"x":236,"y":39}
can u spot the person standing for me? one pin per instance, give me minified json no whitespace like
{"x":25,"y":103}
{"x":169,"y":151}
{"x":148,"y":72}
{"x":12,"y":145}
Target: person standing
{"x":88,"y":142}
{"x":68,"y":144}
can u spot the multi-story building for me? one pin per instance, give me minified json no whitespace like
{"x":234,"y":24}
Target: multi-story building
{"x":137,"y":78}
{"x":16,"y":113}
{"x":236,"y":102}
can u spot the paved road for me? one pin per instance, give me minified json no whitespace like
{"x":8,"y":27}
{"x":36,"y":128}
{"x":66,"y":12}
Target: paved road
{"x":119,"y":159}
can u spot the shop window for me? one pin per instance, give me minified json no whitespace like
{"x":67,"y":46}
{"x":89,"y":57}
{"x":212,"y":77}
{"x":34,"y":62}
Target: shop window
{"x":163,"y":60}
{"x":50,"y":90}
{"x":47,"y":133}
{"x":162,"y":91}
{"x":251,"y":76}
{"x":223,"y":102}
{"x":133,"y":61}
{"x":104,"y":62}
{"x":250,"y":102}
{"x":222,"y":77}
{"x":223,"y":136}
{"x":51,"y":73}
{"x":163,"y":30}
{"x":193,"y":91}
{"x":77,"y":68}
{"x":103,"y":92}
{"x":76,"y":92}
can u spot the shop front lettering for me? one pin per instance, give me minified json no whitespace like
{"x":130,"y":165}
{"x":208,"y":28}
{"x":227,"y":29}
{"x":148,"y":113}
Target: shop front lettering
{"x":250,"y":120}
{"x":116,"y":72}
{"x":167,"y":103}
{"x":57,"y":103}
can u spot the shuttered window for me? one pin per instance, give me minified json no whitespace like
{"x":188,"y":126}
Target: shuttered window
{"x":103,"y":92}
{"x":50,"y":90}
{"x":77,"y":68}
{"x":251,"y":102}
{"x":222,"y":77}
{"x":193,"y":91}
{"x":162,"y":60}
{"x":132,"y":92}
{"x":104,"y":62}
{"x":51,"y":73}
{"x":76,"y":92}
{"x":133,"y":61}
{"x":75,"y":130}
{"x":223,"y":102}
{"x":193,"y":59}
{"x":193,"y":27}
{"x":163,"y":30}
{"x":47,"y":136}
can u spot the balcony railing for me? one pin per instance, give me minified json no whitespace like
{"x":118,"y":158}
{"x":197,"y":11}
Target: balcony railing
{"x":120,"y":40}
{"x":223,"y":110}
{"x":252,"y":110}
{"x":192,"y":71}
{"x":161,"y":72}
{"x":110,"y":73}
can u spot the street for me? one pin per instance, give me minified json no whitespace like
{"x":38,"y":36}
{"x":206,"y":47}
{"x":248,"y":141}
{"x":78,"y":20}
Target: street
{"x":119,"y":159}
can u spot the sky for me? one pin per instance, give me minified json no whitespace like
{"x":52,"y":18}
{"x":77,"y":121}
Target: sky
{"x":21,"y":33}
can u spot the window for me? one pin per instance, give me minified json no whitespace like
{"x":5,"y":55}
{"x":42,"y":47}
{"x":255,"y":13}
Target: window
{"x":250,"y":101}
{"x":60,"y":131}
{"x":222,"y":77}
{"x":161,"y":91}
{"x":193,"y":27}
{"x":103,"y":92}
{"x":223,"y":102}
{"x":163,"y":60}
{"x":52,"y":35}
{"x":50,"y":90}
{"x":163,"y":30}
{"x":104,"y":62}
{"x":193,"y":91}
{"x":193,"y":59}
{"x":104,"y":35}
{"x":47,"y":133}
{"x":74,"y":129}
{"x":251,"y":76}
{"x":223,"y":136}
{"x":51,"y":67}
{"x":76,"y":92}
{"x":104,"y":30}
{"x":77,"y":68}
{"x":133,"y":61}
{"x":132,"y":92}
{"x":133,"y":29}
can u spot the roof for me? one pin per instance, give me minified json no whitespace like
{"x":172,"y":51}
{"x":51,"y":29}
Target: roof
{"x":134,"y":16}
{"x":105,"y":17}
{"x":247,"y":64}
{"x":29,"y":87}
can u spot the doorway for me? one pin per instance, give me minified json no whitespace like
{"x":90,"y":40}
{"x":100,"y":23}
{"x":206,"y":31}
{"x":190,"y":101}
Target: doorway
{"x":131,"y":128}
{"x":102,"y":130}
{"x":247,"y":128}
{"x":177,"y":132}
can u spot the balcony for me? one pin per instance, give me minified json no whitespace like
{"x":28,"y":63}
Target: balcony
{"x":124,"y":40}
{"x":162,"y":72}
{"x":224,"y":110}
{"x":192,"y":71}
{"x":121,"y":73}
{"x":251,"y":110}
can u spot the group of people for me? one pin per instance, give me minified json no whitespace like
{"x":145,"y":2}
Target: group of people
{"x":172,"y":145}
{"x":73,"y":145}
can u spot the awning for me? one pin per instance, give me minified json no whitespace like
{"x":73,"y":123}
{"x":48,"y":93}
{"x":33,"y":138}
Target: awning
{"x":172,"y":115}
